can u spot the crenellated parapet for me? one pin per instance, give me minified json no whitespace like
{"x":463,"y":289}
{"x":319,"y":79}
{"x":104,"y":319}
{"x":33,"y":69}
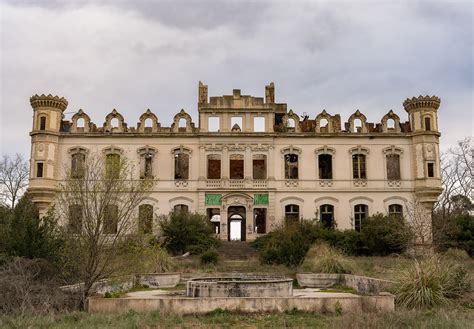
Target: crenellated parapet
{"x":49,"y":101}
{"x":422,"y":102}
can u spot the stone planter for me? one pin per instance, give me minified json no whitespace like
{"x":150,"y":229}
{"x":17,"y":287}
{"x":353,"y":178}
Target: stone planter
{"x":158,"y":280}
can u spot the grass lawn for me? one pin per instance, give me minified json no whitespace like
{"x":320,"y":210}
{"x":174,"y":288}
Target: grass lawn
{"x":440,"y":318}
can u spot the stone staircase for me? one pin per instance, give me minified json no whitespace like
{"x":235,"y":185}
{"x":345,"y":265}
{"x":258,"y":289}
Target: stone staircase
{"x":236,"y":251}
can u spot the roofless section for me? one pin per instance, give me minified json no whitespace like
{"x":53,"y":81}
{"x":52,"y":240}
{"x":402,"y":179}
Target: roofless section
{"x":239,"y":113}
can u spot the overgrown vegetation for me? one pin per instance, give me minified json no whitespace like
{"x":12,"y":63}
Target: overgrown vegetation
{"x":380,"y":235}
{"x":321,"y":258}
{"x":429,"y":282}
{"x":187,"y":232}
{"x":210,"y":256}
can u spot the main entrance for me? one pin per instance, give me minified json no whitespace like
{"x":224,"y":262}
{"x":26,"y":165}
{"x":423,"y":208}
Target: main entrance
{"x":236,"y":224}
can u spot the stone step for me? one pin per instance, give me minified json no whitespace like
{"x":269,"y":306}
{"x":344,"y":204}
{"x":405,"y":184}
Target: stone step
{"x":236,"y":250}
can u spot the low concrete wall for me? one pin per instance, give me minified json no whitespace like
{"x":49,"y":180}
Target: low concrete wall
{"x":352,"y":304}
{"x":239,"y":287}
{"x":124,"y":283}
{"x":158,"y":280}
{"x":362,"y":284}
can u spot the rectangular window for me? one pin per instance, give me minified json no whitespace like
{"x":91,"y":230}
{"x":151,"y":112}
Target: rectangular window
{"x":292,"y":213}
{"x":213,"y":214}
{"x":431,"y":169}
{"x":181,"y":166}
{"x":236,"y":167}
{"x":291,"y":166}
{"x":259,"y":167}
{"x":112,"y":164}
{"x":77,"y":165}
{"x":236,"y":124}
{"x":75,"y":219}
{"x":260,"y":216}
{"x":110,"y":219}
{"x":213,"y":124}
{"x":145,"y":218}
{"x":325,"y":166}
{"x":259,"y":124}
{"x":43,"y":123}
{"x":360,"y":213}
{"x":393,"y":167}
{"x":358,"y":166}
{"x":39,"y":169}
{"x":213,"y":167}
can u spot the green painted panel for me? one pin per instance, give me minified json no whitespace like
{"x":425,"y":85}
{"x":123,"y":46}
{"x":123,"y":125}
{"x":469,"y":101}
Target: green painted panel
{"x":213,"y":198}
{"x":260,"y":199}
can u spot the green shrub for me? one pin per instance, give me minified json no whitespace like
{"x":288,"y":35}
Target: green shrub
{"x":187,"y":232}
{"x":430,"y":282}
{"x":26,"y":235}
{"x":461,"y":235}
{"x":384,"y":235}
{"x":322,"y":258}
{"x":210,"y":256}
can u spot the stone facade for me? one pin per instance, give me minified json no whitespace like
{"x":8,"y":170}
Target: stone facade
{"x":251,"y":164}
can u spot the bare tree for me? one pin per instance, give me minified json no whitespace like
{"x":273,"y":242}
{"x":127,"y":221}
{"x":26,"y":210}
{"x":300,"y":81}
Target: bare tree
{"x":13,"y":179}
{"x":99,"y":201}
{"x":419,"y":220}
{"x":457,"y":173}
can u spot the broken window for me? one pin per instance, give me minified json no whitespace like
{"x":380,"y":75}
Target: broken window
{"x":181,"y":165}
{"x":213,"y":166}
{"x":395,"y":210}
{"x":213,"y":124}
{"x":259,"y":124}
{"x":39,"y":169}
{"x":326,"y":212}
{"x":325,"y":166}
{"x":427,"y":123}
{"x":259,"y":164}
{"x":390,"y":124}
{"x":236,"y":166}
{"x":260,"y":216}
{"x":291,"y":166}
{"x":77,"y":165}
{"x":181,"y":208}
{"x":323,"y":125}
{"x":357,"y":125}
{"x":75,"y":219}
{"x":146,"y":165}
{"x":360,"y":213}
{"x":42,"y":123}
{"x":145,"y":218}
{"x":393,"y":166}
{"x":430,"y":169}
{"x":358,"y":166}
{"x":292,"y":213}
{"x":236,"y":123}
{"x":110,"y":219}
{"x":214,"y":216}
{"x":112,"y":166}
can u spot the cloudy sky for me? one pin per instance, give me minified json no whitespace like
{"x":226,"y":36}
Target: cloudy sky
{"x":134,"y":55}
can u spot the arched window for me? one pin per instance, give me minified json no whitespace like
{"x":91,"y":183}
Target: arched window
{"x":291,"y":123}
{"x":148,"y":123}
{"x":395,"y":210}
{"x":181,"y":165}
{"x":75,"y":219}
{"x":145,"y":218}
{"x":325,"y":166}
{"x":359,"y":166}
{"x":110,"y":219}
{"x":326,"y":212}
{"x":182,"y":123}
{"x":80,"y":123}
{"x":181,"y":208}
{"x":393,"y":166}
{"x":361,"y":212}
{"x":114,"y":123}
{"x":292,"y":213}
{"x":391,"y":124}
{"x":78,"y":165}
{"x":112,"y":166}
{"x":427,"y":123}
{"x":291,"y":166}
{"x":42,"y":125}
{"x":357,"y":125}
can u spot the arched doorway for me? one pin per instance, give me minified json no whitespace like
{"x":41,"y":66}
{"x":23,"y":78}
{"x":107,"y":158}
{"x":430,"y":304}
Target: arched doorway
{"x":236,"y":223}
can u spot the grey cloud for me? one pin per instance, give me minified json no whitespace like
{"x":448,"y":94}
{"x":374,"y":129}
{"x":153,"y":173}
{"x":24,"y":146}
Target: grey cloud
{"x":336,"y":56}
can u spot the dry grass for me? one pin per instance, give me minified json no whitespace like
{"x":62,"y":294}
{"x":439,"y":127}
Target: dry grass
{"x":321,"y":258}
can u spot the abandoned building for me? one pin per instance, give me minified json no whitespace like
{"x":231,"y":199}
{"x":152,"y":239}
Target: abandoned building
{"x":251,"y":164}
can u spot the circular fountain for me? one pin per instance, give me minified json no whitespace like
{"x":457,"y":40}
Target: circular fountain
{"x":240,"y":285}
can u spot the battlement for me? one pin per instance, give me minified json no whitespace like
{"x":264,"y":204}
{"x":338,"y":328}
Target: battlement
{"x":426,"y":102}
{"x":57,"y":102}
